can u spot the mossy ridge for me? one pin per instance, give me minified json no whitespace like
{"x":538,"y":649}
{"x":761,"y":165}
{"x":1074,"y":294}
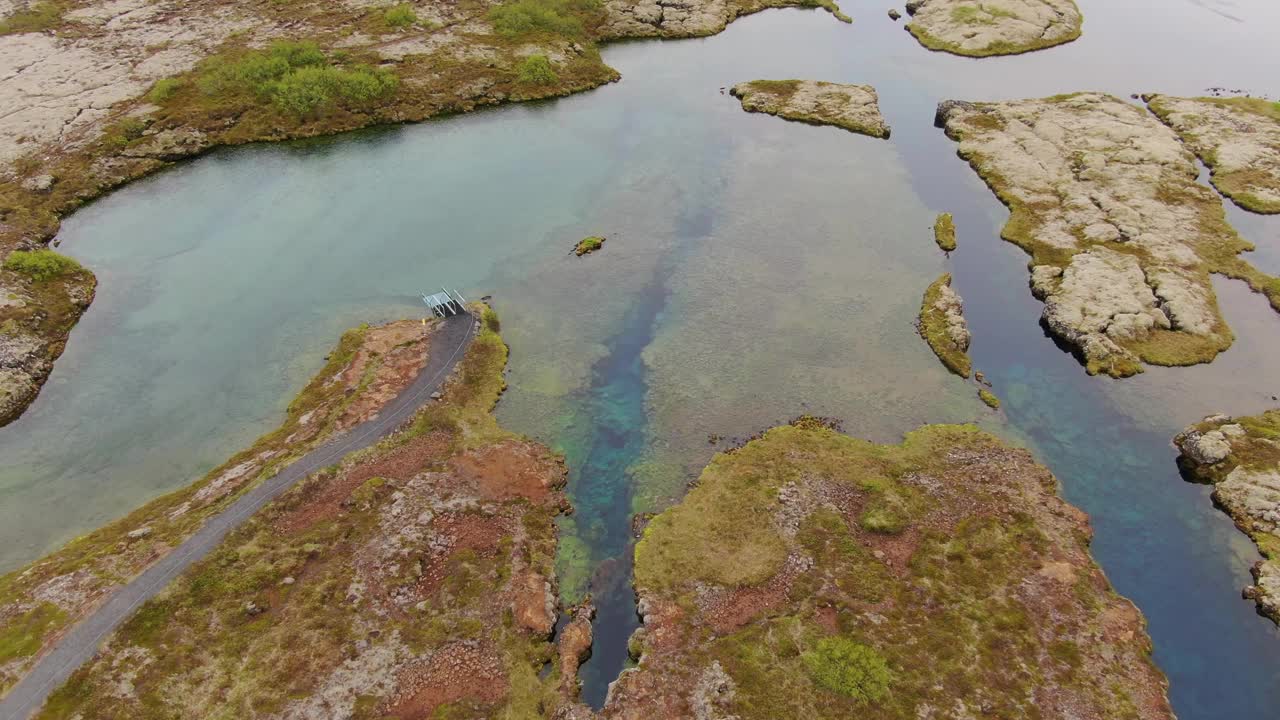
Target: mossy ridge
{"x":1234,"y":184}
{"x":109,"y":556}
{"x":202,"y":639}
{"x":985,"y":639}
{"x":1219,"y":250}
{"x":933,"y":328}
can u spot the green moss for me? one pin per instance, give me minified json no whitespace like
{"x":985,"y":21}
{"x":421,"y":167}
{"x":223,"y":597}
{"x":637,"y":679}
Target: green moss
{"x":588,"y":245}
{"x":989,"y":398}
{"x":933,"y":328}
{"x":849,"y":668}
{"x":944,"y":232}
{"x":41,"y":265}
{"x":23,"y":635}
{"x":37,"y":17}
{"x":163,"y":90}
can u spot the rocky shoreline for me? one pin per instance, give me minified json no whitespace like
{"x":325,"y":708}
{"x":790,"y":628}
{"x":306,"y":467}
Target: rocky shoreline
{"x":1240,"y":457}
{"x":1238,"y":138}
{"x":113,"y":93}
{"x":1122,"y":238}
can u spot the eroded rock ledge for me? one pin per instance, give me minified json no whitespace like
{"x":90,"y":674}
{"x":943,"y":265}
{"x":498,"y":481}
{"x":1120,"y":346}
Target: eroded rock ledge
{"x":810,"y":574}
{"x":1238,"y":138}
{"x":993,"y":27}
{"x":852,"y":107}
{"x":1122,"y":237}
{"x":1241,"y":458}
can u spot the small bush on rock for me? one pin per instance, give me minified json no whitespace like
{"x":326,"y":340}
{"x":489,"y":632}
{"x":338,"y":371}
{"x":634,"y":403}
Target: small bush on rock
{"x":40,"y":264}
{"x":537,"y":70}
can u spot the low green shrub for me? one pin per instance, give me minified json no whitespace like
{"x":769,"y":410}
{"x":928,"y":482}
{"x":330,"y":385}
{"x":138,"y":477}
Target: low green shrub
{"x":537,"y":70}
{"x":296,"y":78}
{"x":556,"y":17}
{"x":41,"y":264}
{"x":400,"y":16}
{"x":849,"y":668}
{"x":163,"y":90}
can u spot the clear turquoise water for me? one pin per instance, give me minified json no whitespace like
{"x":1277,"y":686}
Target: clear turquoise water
{"x":755,"y":270}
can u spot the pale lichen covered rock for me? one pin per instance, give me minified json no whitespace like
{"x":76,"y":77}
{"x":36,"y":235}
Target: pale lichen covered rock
{"x":852,"y":107}
{"x":993,"y":27}
{"x":687,"y":18}
{"x":1241,"y":457}
{"x":1239,"y":138}
{"x":1122,"y":237}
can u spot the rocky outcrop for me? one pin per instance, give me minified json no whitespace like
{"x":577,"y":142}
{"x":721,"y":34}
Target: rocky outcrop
{"x":689,"y":18}
{"x":852,"y":107}
{"x":993,"y":27}
{"x":1122,"y":237}
{"x":1238,"y":138}
{"x":813,"y":575}
{"x":943,"y":326}
{"x":1241,"y":458}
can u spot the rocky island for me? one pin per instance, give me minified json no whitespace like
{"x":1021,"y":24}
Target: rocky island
{"x":1240,"y":457}
{"x":1238,"y":138}
{"x":810,"y":574}
{"x":853,"y":107}
{"x":1121,"y":236}
{"x":944,"y":232}
{"x":943,"y":326}
{"x":982,"y":28}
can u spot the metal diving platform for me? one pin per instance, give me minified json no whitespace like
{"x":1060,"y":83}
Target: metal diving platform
{"x":445,"y":303}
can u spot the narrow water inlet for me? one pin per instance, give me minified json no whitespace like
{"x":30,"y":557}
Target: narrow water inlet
{"x":613,"y":407}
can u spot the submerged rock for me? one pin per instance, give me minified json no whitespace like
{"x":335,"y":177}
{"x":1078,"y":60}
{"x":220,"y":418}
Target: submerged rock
{"x":852,"y":107}
{"x":1122,"y":237}
{"x":994,"y":27}
{"x":1241,"y":458}
{"x":1238,"y":138}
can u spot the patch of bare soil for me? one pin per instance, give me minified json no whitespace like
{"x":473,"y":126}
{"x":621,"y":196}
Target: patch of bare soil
{"x":459,"y":672}
{"x":399,"y":350}
{"x":508,"y":470}
{"x":327,"y":495}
